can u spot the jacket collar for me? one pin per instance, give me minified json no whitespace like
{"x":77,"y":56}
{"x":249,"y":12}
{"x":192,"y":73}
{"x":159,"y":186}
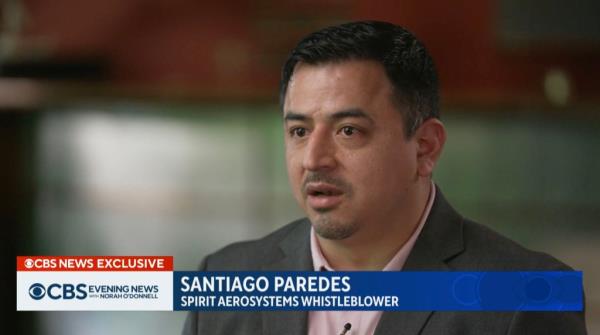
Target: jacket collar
{"x":440,"y":240}
{"x":294,"y":255}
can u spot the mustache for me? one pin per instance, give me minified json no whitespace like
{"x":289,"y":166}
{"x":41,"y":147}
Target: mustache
{"x":317,"y":177}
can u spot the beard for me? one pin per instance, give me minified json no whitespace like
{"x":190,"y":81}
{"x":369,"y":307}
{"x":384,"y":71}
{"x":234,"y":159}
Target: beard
{"x":332,"y":229}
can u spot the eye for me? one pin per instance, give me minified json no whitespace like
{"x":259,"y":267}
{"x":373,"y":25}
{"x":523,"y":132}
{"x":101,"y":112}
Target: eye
{"x":298,"y":132}
{"x":348,"y":131}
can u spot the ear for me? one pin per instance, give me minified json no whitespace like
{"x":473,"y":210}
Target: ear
{"x":430,"y":137}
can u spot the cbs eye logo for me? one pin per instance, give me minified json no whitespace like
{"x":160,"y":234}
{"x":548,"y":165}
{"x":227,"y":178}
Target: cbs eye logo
{"x":29,"y":263}
{"x":37,"y":291}
{"x":58,"y":291}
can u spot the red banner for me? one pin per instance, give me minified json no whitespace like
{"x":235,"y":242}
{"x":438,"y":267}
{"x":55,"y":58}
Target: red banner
{"x":94,"y":263}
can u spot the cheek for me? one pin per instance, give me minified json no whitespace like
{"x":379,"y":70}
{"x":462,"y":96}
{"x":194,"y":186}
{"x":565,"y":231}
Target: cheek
{"x":294,"y":169}
{"x":387,"y":172}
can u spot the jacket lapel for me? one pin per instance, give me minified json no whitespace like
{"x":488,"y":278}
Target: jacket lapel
{"x":294,"y":256}
{"x":440,"y":240}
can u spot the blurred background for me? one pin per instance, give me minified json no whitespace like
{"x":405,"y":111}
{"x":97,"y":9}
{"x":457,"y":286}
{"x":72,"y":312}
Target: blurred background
{"x":151,"y":127}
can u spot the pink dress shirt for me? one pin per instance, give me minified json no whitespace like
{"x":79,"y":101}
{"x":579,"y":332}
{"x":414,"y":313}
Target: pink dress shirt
{"x":363,"y":322}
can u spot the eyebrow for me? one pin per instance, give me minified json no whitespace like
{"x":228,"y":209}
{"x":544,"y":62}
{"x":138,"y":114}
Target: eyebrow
{"x":342,"y":114}
{"x":293,"y":116}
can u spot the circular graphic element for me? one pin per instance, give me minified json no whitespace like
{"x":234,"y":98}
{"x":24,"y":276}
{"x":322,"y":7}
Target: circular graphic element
{"x":538,"y":289}
{"x":37,"y":291}
{"x":29,"y":263}
{"x":464,"y":289}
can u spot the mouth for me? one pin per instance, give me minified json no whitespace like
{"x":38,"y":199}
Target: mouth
{"x":322,"y":196}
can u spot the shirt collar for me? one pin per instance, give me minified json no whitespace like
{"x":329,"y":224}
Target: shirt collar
{"x":320,"y":263}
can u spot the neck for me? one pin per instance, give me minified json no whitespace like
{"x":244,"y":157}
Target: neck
{"x":372,"y":249}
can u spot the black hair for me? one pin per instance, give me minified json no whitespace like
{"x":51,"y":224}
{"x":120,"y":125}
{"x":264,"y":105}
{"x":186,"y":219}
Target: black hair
{"x":407,"y":63}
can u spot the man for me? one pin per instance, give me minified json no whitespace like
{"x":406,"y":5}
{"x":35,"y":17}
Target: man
{"x":362,"y":137}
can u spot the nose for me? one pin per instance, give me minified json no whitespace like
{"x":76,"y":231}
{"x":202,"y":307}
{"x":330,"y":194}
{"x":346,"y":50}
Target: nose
{"x":319,"y":152}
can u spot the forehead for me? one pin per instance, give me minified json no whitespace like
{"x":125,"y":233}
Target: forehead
{"x":330,"y":87}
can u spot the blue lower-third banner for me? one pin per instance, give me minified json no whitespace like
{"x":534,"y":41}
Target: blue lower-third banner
{"x":401,"y":291}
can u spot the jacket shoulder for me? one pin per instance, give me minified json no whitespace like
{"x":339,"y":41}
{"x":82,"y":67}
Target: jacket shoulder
{"x":251,"y":255}
{"x":486,"y":249}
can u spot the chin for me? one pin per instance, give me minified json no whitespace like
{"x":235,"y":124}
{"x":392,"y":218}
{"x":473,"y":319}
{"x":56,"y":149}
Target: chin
{"x":333,"y":229}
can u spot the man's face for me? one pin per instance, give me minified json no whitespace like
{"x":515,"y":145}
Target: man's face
{"x":349,"y":163}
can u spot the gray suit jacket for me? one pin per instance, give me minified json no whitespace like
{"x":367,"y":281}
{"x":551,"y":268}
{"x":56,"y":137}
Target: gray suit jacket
{"x":447,"y":242}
